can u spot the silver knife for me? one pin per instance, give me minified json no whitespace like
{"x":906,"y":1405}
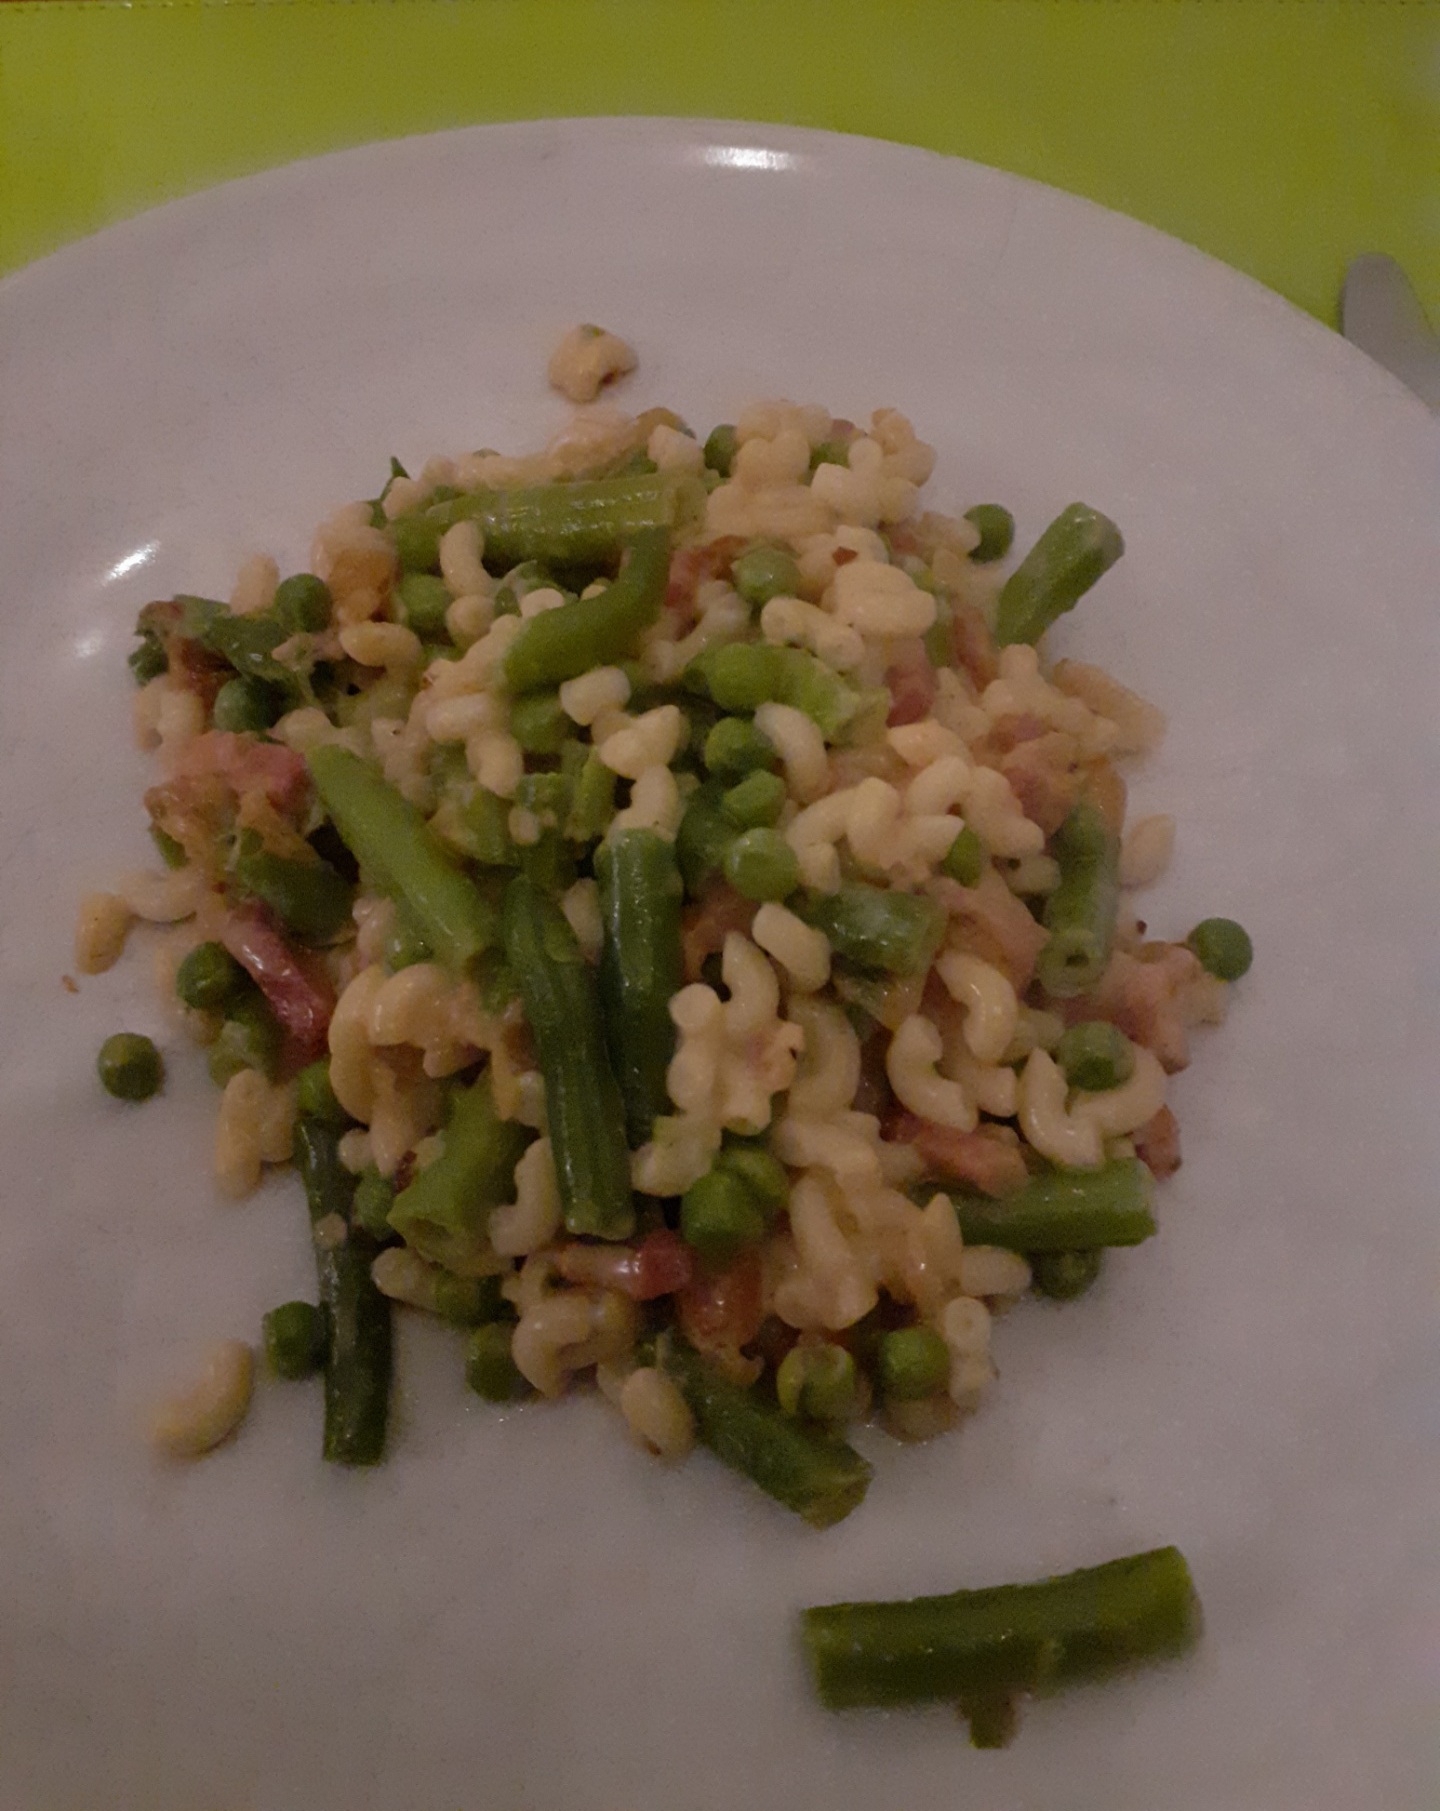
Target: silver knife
{"x":1381,"y":314}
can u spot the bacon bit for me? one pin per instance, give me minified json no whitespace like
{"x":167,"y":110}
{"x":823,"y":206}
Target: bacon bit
{"x":706,"y":926}
{"x":842,"y":556}
{"x":193,"y":667}
{"x":301,"y":998}
{"x":1144,"y":997}
{"x":1105,"y":788}
{"x":660,"y":1264}
{"x":1008,"y":733}
{"x":994,"y":924}
{"x":912,"y":686}
{"x":1043,"y":776}
{"x":68,"y":982}
{"x":1157,"y":1144}
{"x":690,"y":566}
{"x":989,"y":1163}
{"x":974,"y":645}
{"x":247,"y":764}
{"x":721,"y":1313}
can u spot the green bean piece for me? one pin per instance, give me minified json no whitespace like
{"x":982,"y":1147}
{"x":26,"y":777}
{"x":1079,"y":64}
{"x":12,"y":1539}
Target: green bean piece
{"x":735,"y":748}
{"x":355,"y":1315}
{"x":996,"y":528}
{"x":424,"y":601}
{"x":1078,"y":547}
{"x":756,"y":803}
{"x":937,"y":639}
{"x":302,"y":604}
{"x":762,"y":1173}
{"x":829,"y":452}
{"x":720,"y":449}
{"x":417,"y":542}
{"x":877,"y":930}
{"x":1222,"y":947}
{"x":1063,"y":1210}
{"x":761,"y":865}
{"x":444,"y":1214}
{"x":573,"y":525}
{"x":149,"y":660}
{"x":743,"y":675}
{"x":817,"y":1476}
{"x":583,"y":1101}
{"x":250,"y":1038}
{"x":818,"y":1383}
{"x":1064,"y":1275}
{"x":592,"y":804}
{"x":374,"y":1197}
{"x":641,"y":969}
{"x":539,"y":725}
{"x":315,"y":1098}
{"x":561,"y":644}
{"x":912,"y":1362}
{"x":209,"y":978}
{"x":129,"y":1066}
{"x":171,"y":853}
{"x":1080,"y":914}
{"x":549,"y":861}
{"x":489,"y":1368}
{"x":965,"y":859}
{"x":393,"y":843}
{"x":294,"y":1338}
{"x":704,"y":836}
{"x":304,"y":892}
{"x":1095,"y":1056}
{"x":405,"y":944}
{"x":248,"y":643}
{"x":764,"y":571}
{"x":719,"y":1217}
{"x":483,"y":831}
{"x":994,"y":1644}
{"x":246,"y":706}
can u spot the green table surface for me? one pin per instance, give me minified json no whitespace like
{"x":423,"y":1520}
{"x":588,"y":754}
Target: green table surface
{"x":1284,"y":136}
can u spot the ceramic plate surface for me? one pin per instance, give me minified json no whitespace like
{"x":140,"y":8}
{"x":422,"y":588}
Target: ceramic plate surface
{"x":519,"y":1611}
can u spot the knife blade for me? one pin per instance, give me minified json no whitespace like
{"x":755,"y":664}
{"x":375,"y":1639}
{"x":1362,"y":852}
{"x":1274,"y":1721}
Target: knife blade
{"x":1381,"y":314}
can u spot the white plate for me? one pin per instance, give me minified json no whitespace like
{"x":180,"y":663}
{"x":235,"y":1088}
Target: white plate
{"x":518,"y":1610}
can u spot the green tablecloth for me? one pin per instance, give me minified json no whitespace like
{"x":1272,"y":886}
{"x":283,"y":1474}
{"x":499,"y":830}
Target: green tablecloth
{"x":1282,"y":135}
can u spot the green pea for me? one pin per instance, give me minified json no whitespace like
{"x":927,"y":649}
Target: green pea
{"x":149,"y":660}
{"x":302,"y":604}
{"x":417,"y":542}
{"x":763,"y":572}
{"x":1063,"y":1275}
{"x":374,"y":1197}
{"x":996,"y":528}
{"x":469,"y":1301}
{"x":720,"y":449}
{"x":965,"y":859}
{"x":171,"y":853}
{"x":761,"y":865}
{"x":719,"y":1217}
{"x":735,"y":748}
{"x":913,"y":1362}
{"x":756,"y":803}
{"x":819,"y":1383}
{"x":129,"y":1066}
{"x":250,"y":1038}
{"x":424,"y":600}
{"x":294,"y":1339}
{"x":489,"y":1368}
{"x":315,"y":1097}
{"x":1223,"y":947}
{"x":761,"y":1172}
{"x":209,"y":978}
{"x":246,"y":705}
{"x":539,"y":725}
{"x":1095,"y":1056}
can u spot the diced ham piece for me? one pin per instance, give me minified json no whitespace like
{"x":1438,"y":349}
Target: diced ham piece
{"x":723,"y":1312}
{"x":973,"y":644}
{"x":706,"y":926}
{"x":299,"y":995}
{"x":1157,"y":1144}
{"x":690,"y":566}
{"x":987,"y":1163}
{"x":1043,"y":776}
{"x":660,"y":1264}
{"x":911,"y":680}
{"x":995,"y":924}
{"x":247,"y":764}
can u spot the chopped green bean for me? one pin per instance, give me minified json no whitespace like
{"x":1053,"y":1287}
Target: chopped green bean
{"x":761,"y":865}
{"x":1223,"y":948}
{"x":593,"y":803}
{"x":1080,"y":914}
{"x":704,"y":836}
{"x":561,"y":644}
{"x":756,"y":803}
{"x":129,"y":1066}
{"x":965,"y":859}
{"x":405,"y":944}
{"x":912,"y":1362}
{"x":1074,"y":551}
{"x":489,"y":1368}
{"x":894,"y":933}
{"x":1064,"y":1210}
{"x":735,"y":748}
{"x":582,"y":524}
{"x":444,"y":1214}
{"x":1095,"y":1056}
{"x":582,"y":1098}
{"x":640,"y":968}
{"x":294,"y":1340}
{"x":993,"y":1644}
{"x":304,"y":892}
{"x":250,"y":1038}
{"x":1064,"y":1275}
{"x":818,"y":1477}
{"x":539,"y":725}
{"x":743,"y":675}
{"x":996,"y":528}
{"x":209,"y":978}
